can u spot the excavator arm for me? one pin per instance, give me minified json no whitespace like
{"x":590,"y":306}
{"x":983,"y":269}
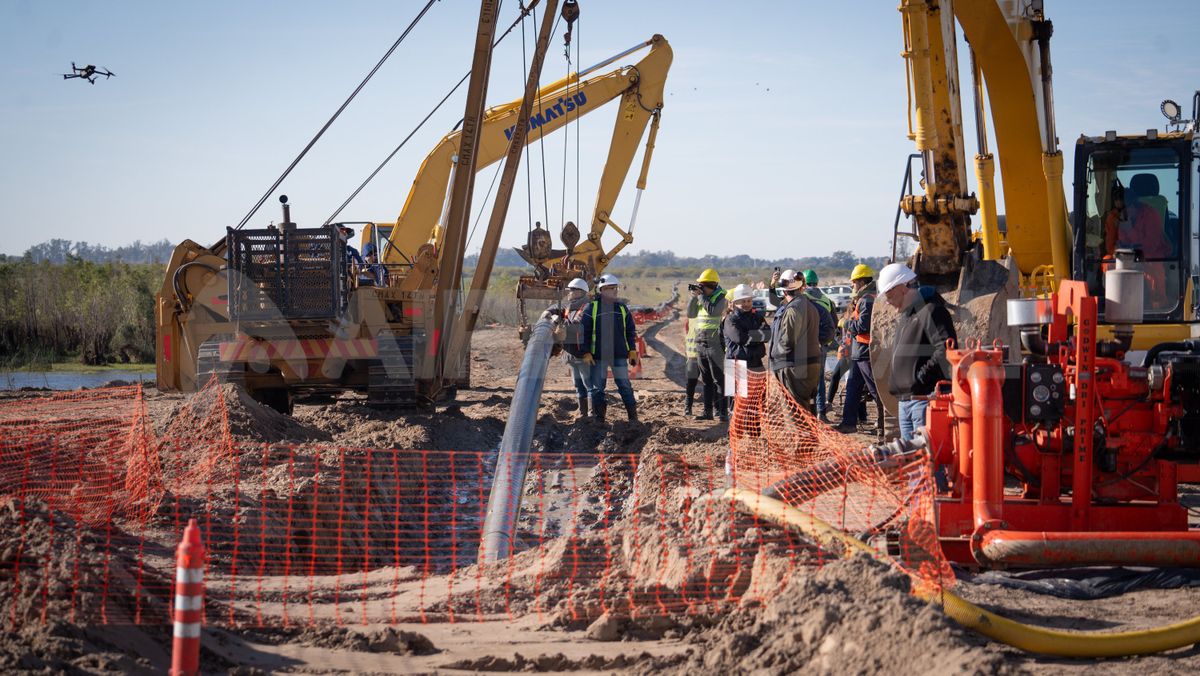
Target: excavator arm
{"x":415,"y":238}
{"x":1009,"y":45}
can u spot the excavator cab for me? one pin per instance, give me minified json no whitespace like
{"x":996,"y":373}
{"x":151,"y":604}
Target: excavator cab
{"x":1138,"y":193}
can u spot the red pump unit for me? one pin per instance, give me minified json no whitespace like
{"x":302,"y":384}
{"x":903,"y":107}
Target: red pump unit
{"x":1070,"y":457}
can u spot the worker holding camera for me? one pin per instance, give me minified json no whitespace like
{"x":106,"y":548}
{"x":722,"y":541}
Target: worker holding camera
{"x":710,"y":344}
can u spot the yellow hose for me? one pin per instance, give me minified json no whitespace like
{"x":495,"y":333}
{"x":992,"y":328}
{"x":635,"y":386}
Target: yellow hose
{"x":1023,"y":636}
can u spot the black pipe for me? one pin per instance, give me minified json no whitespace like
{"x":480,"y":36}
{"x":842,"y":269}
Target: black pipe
{"x":176,"y":282}
{"x":1191,"y":345}
{"x":1033,"y":341}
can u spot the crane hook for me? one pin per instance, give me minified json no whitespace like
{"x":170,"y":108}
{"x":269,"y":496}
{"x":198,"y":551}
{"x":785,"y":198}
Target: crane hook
{"x":570,"y":12}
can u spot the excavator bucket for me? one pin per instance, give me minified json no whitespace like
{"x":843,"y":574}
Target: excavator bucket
{"x":977,"y":304}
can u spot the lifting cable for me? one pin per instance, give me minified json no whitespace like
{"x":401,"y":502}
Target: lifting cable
{"x":571,"y":19}
{"x":528,"y":170}
{"x":345,"y":103}
{"x":520,"y":19}
{"x":542,"y":147}
{"x":578,"y":133}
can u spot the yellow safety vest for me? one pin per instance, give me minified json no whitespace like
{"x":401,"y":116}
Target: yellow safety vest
{"x":706,"y":322}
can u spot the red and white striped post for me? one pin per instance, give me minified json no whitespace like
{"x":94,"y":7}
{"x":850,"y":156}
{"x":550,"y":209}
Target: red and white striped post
{"x":189,"y":602}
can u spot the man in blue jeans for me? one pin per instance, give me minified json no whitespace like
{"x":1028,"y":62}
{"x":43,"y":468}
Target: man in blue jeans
{"x":611,"y":343}
{"x":922,"y":329}
{"x":573,"y":345}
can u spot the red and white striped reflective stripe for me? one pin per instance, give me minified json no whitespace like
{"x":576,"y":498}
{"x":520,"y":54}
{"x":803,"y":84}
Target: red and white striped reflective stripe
{"x":189,"y":603}
{"x":245,"y":349}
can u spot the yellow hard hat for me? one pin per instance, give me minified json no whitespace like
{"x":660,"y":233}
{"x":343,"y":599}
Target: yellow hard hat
{"x":709,"y":275}
{"x":861,"y":271}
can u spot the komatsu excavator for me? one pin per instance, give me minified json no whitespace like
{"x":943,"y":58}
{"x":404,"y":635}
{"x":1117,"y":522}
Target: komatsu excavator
{"x":284,"y":312}
{"x":1132,"y":192}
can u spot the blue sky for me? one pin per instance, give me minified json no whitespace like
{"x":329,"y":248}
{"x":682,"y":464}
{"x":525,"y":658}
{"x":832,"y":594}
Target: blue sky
{"x":783,"y":132}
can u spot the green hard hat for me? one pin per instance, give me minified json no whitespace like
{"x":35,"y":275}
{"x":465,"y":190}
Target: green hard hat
{"x":810,"y":277}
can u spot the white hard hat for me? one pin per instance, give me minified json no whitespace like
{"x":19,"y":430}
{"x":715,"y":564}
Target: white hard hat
{"x":578,"y":283}
{"x":787,"y":276}
{"x":742,"y":292}
{"x":893,"y":275}
{"x":607,"y":280}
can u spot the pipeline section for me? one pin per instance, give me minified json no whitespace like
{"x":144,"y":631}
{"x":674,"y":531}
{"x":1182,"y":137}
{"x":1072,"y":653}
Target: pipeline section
{"x":512,"y":460}
{"x":1023,"y":636}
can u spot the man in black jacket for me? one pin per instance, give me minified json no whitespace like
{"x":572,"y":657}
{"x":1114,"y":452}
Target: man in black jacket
{"x":919,"y":357}
{"x":609,"y":343}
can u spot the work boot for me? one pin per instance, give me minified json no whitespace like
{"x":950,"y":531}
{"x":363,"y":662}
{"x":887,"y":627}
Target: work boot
{"x":723,"y":409}
{"x":710,"y":393}
{"x":598,"y":412}
{"x":846,"y":428}
{"x":631,"y":412}
{"x":823,"y":416}
{"x":583,"y":408}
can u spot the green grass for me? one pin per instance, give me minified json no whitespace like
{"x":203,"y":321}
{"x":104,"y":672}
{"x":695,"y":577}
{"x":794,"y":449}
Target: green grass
{"x":76,"y":367}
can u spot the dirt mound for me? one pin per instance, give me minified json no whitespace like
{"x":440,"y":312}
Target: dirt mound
{"x":59,"y":582}
{"x":469,"y":426}
{"x":382,"y":640}
{"x":852,"y":616}
{"x":204,"y":414}
{"x":555,"y":662}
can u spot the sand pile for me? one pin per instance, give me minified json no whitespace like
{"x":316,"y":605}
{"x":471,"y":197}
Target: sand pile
{"x":58,"y":583}
{"x":852,"y":616}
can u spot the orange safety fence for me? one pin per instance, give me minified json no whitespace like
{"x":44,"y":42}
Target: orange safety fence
{"x":778,"y":447}
{"x":94,"y":498}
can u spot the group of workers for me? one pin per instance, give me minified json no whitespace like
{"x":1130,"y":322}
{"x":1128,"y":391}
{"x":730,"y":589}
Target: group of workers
{"x":724,"y":325}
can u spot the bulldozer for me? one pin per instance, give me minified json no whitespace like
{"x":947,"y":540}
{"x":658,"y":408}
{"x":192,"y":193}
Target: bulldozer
{"x":1042,"y":243}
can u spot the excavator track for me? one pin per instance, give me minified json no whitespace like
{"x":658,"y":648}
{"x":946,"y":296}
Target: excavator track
{"x":391,"y":380}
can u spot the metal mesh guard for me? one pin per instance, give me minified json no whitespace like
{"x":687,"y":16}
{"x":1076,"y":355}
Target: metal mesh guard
{"x":286,"y":274}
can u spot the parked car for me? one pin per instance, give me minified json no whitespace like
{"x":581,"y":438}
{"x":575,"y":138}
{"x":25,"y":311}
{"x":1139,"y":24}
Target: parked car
{"x":840,"y":295}
{"x":762,"y":301}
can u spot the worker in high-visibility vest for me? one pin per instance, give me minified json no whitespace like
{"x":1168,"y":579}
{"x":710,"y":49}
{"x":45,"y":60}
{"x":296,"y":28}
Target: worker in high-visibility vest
{"x":858,"y":326}
{"x":611,"y":343}
{"x":689,"y":349}
{"x":710,"y":343}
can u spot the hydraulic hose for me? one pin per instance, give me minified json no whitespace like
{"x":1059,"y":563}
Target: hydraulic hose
{"x":1181,"y":346}
{"x":1026,"y":637}
{"x":181,"y":292}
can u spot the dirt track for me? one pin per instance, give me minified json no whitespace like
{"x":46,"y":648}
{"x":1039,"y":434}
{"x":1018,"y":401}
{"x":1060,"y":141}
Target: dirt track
{"x":848,"y":617}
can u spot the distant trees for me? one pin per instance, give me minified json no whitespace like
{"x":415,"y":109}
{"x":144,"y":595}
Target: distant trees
{"x":837,"y":261}
{"x":95,"y":312}
{"x":60,"y":250}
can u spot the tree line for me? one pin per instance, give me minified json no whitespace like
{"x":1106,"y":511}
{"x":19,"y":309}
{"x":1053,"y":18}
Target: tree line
{"x":61,"y":250}
{"x":838,"y":260}
{"x":96,"y":313}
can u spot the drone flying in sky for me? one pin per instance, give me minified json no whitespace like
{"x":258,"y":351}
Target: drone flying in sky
{"x":88,"y":72}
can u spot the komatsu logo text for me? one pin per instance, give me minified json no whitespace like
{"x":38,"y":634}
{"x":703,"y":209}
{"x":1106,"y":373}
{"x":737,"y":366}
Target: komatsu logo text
{"x":563,"y":106}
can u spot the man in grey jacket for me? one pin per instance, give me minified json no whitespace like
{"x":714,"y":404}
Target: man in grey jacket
{"x":795,"y":352}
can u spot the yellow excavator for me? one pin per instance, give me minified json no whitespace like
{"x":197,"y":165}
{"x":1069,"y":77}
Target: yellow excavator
{"x":285,"y":312}
{"x":1041,"y":243}
{"x":412,"y":243}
